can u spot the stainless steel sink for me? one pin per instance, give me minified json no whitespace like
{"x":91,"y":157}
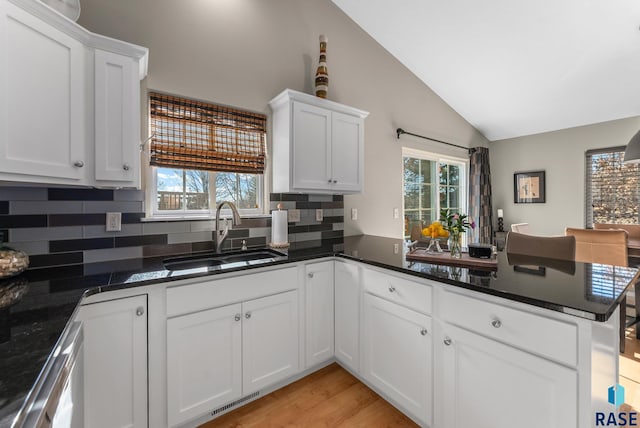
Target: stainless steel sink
{"x":224,"y":260}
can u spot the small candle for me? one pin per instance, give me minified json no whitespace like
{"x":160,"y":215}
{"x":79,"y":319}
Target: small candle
{"x":500,"y":213}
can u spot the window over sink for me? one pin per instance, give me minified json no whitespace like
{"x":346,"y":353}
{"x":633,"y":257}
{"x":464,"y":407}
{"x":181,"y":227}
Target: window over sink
{"x":202,"y":154}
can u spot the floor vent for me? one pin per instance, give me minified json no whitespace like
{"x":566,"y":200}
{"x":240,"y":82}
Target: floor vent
{"x":235,"y":403}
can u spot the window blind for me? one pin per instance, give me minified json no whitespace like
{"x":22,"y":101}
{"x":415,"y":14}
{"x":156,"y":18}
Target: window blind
{"x":611,"y":187}
{"x":192,"y":134}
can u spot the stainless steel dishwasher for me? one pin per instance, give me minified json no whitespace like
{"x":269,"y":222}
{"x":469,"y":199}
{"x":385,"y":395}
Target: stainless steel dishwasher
{"x":57,"y":398}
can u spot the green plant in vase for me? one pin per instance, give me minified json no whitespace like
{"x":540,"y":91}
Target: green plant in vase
{"x":456,"y":224}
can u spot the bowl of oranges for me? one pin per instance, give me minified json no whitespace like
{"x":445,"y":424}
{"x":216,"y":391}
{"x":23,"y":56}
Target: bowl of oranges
{"x":434,"y":233}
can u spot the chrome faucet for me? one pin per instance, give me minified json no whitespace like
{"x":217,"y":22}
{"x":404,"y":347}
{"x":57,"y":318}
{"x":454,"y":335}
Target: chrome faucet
{"x":221,"y":235}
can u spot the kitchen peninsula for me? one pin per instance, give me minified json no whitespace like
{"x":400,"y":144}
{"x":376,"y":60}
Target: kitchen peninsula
{"x":494,"y":343}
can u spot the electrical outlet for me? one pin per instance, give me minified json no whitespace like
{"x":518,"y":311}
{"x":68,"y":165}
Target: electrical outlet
{"x":114,"y":222}
{"x":396,"y":213}
{"x":319,"y":215}
{"x":293,"y":216}
{"x":354,"y":213}
{"x":396,"y":248}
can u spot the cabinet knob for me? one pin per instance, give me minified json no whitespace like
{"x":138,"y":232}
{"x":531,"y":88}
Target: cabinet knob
{"x":335,"y":181}
{"x":447,"y":341}
{"x":139,"y":311}
{"x":247,"y":315}
{"x":496,"y":323}
{"x":329,"y":181}
{"x":424,"y":332}
{"x":126,"y":167}
{"x":78,"y":164}
{"x":310,"y":274}
{"x":238,"y":317}
{"x":392,"y":289}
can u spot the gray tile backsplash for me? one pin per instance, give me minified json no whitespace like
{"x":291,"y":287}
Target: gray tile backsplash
{"x":66,"y":226}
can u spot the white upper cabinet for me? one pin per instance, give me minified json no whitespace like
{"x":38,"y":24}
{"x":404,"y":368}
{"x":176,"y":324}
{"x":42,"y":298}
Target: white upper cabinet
{"x":69,"y":103}
{"x":117,"y":118}
{"x":42,"y":97}
{"x":318,"y":145}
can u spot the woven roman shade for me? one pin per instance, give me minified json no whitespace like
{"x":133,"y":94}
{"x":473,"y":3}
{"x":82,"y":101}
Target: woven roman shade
{"x":192,"y":134}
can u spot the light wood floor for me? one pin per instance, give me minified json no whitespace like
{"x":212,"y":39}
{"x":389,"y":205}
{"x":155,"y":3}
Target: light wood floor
{"x":630,"y":372}
{"x":330,"y":397}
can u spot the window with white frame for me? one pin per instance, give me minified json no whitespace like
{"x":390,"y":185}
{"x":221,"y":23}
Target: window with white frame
{"x":202,"y":154}
{"x":612,"y":187}
{"x":431,"y":183}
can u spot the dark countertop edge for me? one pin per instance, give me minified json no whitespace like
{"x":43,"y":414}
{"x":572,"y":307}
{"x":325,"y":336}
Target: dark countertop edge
{"x":591,"y":316}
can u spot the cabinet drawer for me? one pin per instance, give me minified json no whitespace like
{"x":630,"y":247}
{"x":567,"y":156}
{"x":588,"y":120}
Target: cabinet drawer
{"x":543,"y":336}
{"x":411,"y":294}
{"x":213,"y":292}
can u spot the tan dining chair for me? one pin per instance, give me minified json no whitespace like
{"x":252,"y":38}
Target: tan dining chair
{"x":604,"y":246}
{"x":521,"y":228}
{"x":633,"y":246}
{"x":550,"y":247}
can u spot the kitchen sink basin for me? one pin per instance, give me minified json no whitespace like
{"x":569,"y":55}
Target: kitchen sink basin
{"x":223,"y":260}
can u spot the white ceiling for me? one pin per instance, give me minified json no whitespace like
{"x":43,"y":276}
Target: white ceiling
{"x":516,"y":67}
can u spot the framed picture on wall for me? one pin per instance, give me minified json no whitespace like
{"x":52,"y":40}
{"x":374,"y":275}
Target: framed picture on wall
{"x":528,"y":187}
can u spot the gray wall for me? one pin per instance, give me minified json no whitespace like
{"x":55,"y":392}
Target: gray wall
{"x":244,"y":52}
{"x":562,"y":155}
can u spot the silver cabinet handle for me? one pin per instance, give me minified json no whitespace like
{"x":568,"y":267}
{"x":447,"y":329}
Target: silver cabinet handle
{"x":247,"y":315}
{"x":424,"y":332}
{"x":126,"y":167}
{"x":238,"y":317}
{"x":78,"y":164}
{"x":392,"y":289}
{"x":496,"y":323}
{"x":447,"y":341}
{"x":139,"y":311}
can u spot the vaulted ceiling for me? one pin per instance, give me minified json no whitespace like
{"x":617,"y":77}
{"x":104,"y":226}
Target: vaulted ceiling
{"x":515,"y":67}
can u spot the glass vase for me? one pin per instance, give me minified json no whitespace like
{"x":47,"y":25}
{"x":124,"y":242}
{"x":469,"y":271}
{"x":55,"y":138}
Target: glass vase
{"x":434,"y":246}
{"x":455,"y":246}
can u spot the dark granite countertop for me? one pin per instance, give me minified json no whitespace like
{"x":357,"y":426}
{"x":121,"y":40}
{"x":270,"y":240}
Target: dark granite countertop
{"x":45,"y":299}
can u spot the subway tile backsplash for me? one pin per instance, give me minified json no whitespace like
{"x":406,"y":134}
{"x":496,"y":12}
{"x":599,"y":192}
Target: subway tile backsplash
{"x":59,"y":227}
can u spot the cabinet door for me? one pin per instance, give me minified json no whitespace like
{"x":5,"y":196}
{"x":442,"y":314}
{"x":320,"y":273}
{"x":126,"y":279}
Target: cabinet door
{"x":311,"y":147}
{"x":203,"y":362}
{"x":269,"y":340}
{"x":115,"y":362}
{"x":117,"y":118}
{"x":347,"y":152}
{"x":500,"y":387}
{"x":398,"y":355}
{"x":42,"y":107}
{"x":319,"y":312}
{"x":347,"y":315}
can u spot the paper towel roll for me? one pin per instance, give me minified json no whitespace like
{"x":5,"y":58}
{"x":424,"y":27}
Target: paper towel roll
{"x":279,"y":230}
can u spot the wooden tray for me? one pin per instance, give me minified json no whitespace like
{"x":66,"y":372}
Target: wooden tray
{"x":444,"y":258}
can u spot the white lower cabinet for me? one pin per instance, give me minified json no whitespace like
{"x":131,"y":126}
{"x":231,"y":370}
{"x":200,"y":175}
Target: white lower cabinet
{"x":204,"y":361}
{"x":486,"y":384}
{"x":219,"y":355}
{"x":347,"y":315}
{"x":269,"y":340}
{"x":115,"y":362}
{"x":398,"y":355}
{"x":319,"y":318}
